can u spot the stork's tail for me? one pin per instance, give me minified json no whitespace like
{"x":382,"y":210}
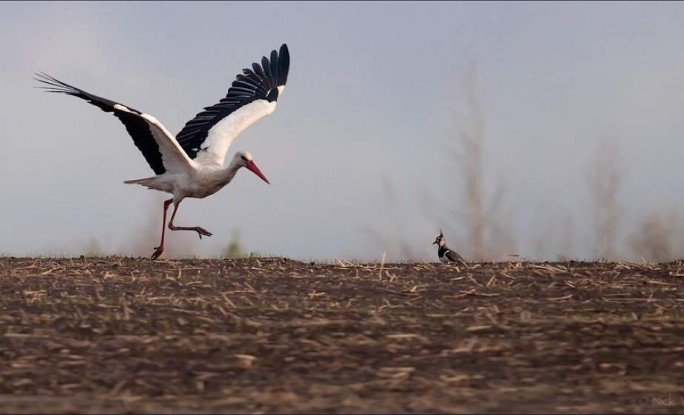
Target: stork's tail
{"x":148,"y":182}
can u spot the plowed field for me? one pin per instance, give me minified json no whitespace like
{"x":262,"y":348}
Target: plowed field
{"x":276,"y":335}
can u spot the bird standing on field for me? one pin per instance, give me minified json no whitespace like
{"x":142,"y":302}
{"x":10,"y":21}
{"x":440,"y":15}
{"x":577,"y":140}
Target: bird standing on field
{"x":445,"y":254}
{"x":191,"y":164}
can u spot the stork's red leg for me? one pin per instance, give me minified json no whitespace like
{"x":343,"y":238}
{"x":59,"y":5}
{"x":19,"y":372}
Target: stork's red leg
{"x":158,"y":250}
{"x":200,"y":231}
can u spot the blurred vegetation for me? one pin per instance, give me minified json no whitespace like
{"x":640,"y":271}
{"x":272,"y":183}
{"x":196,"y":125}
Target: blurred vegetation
{"x":93,"y":248}
{"x":475,"y":218}
{"x":478,"y":224}
{"x":235,"y":249}
{"x":605,"y":177}
{"x":659,"y":237}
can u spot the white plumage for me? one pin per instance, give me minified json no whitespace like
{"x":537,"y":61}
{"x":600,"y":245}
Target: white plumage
{"x":221,"y":136}
{"x":191,"y":164}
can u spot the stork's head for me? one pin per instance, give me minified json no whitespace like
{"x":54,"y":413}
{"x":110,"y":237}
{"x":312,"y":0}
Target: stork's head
{"x":245,"y":159}
{"x":440,"y":239}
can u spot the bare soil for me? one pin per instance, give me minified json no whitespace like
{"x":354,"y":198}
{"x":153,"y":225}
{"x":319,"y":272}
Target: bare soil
{"x":124,"y":335}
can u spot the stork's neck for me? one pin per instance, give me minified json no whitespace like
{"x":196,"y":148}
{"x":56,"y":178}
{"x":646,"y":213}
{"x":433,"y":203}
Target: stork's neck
{"x":229,"y":172}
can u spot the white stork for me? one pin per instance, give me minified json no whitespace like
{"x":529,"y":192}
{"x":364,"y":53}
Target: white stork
{"x":192,"y":163}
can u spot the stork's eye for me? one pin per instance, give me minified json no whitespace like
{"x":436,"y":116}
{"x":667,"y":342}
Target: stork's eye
{"x":244,"y":158}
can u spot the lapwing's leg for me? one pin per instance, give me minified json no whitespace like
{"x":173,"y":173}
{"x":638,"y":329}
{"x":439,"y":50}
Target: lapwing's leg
{"x":200,"y":231}
{"x":158,"y":250}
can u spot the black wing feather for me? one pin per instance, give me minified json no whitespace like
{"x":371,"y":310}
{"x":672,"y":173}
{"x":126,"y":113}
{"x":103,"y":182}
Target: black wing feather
{"x":283,"y":64}
{"x":269,"y":82}
{"x":274,"y":65}
{"x":136,"y":126}
{"x":257,"y":70}
{"x":259,"y":82}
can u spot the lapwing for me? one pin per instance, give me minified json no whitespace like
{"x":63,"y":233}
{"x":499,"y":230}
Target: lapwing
{"x":445,"y":254}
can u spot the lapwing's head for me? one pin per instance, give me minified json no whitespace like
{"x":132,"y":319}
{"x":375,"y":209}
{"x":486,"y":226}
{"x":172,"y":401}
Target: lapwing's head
{"x":245,"y":159}
{"x":440,"y":239}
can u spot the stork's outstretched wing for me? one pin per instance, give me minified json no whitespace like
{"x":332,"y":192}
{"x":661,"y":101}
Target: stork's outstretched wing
{"x":154,"y":141}
{"x":252,"y":96}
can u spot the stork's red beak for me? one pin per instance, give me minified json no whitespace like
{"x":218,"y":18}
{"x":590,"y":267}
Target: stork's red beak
{"x":255,"y":170}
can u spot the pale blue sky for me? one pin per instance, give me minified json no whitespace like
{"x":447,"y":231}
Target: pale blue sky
{"x":371,"y":102}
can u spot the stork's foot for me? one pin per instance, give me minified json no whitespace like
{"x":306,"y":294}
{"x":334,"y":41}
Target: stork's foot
{"x":202,"y":231}
{"x":157,"y":252}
